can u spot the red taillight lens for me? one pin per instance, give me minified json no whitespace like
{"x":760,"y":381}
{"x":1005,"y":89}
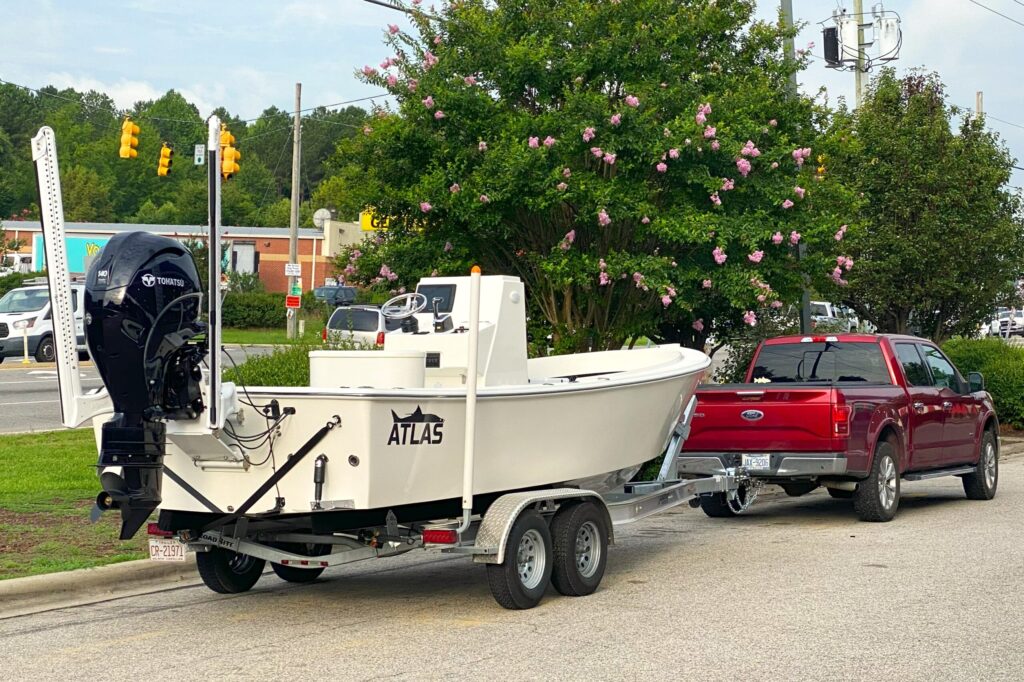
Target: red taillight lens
{"x":380,"y":338}
{"x":154,"y":529}
{"x":440,"y":537}
{"x":841,"y":420}
{"x":323,"y":334}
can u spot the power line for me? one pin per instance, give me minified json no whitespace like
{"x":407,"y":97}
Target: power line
{"x":1015,"y":125}
{"x":1008,"y":18}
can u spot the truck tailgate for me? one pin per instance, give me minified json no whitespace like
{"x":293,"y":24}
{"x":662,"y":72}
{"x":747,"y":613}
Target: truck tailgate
{"x":752,"y":418}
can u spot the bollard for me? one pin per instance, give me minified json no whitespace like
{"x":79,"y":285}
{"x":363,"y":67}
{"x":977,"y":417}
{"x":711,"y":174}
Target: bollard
{"x":23,"y":326}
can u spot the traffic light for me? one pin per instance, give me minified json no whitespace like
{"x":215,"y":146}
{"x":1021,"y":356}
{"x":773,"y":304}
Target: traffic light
{"x":229,"y":156}
{"x":164,"y":165}
{"x":128,"y":140}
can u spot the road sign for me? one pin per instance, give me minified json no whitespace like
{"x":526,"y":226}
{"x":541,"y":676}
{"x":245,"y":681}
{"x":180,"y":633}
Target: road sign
{"x":296,"y":289}
{"x":200,"y":155}
{"x":292,"y":270}
{"x":292,"y":301}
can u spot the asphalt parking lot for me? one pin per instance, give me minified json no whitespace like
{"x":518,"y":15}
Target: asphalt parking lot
{"x":797,"y":590}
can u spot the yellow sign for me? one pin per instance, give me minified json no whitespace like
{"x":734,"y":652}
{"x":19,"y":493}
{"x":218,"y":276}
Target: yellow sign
{"x":371,"y":222}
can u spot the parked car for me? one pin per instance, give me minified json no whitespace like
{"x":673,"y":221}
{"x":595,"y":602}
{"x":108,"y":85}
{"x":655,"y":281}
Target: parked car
{"x":855,"y":413}
{"x":31,"y":305}
{"x":336,"y":296}
{"x":362,"y":323}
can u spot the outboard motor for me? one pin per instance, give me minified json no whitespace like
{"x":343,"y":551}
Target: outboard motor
{"x":142,"y":302}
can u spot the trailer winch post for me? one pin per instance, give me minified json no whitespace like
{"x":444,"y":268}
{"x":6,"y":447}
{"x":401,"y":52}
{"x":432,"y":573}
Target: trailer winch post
{"x":471,"y":377}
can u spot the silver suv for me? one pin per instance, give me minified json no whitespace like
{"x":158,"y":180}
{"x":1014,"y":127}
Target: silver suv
{"x":362,"y":323}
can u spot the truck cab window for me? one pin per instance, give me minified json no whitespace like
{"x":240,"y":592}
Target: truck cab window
{"x":913,"y":365}
{"x":943,"y":373}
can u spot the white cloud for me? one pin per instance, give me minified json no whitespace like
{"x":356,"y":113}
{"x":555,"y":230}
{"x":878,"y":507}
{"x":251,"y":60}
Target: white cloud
{"x":124,"y":92}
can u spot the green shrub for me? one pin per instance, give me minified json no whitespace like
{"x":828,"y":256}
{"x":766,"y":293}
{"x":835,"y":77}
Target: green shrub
{"x":253,"y":309}
{"x":285,"y":366}
{"x":1003,"y":368}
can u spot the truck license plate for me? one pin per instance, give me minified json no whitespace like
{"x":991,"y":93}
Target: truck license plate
{"x":757,"y":462}
{"x":166,"y":549}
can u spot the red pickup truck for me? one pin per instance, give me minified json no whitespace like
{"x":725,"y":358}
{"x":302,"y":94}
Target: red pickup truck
{"x":855,"y":413}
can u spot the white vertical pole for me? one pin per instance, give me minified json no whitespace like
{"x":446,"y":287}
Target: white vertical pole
{"x":293,"y":239}
{"x":471,"y":380}
{"x":859,"y":80}
{"x":214,"y":419}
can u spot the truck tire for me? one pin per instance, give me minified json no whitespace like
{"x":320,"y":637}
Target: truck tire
{"x":227,"y":572}
{"x":519,"y":582}
{"x":46,"y":351}
{"x":798,"y":488}
{"x":580,"y":542}
{"x":298,"y":574}
{"x":839,"y":494}
{"x":981,"y":485}
{"x":878,"y":496}
{"x":718,"y":505}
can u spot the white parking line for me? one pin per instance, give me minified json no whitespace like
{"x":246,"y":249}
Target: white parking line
{"x":30,"y":402}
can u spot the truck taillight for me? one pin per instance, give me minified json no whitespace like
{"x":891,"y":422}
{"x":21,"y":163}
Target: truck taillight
{"x":380,"y":338}
{"x":841,"y":419}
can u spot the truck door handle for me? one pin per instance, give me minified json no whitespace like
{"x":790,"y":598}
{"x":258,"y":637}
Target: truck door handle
{"x":919,"y":407}
{"x":947,"y":405}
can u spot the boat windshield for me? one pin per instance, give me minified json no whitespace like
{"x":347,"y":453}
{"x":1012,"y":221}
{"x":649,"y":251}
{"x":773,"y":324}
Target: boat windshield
{"x":24,"y":300}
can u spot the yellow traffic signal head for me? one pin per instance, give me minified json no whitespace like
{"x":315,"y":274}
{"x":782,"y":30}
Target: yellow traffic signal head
{"x":128,"y":140}
{"x":164,"y":165}
{"x":226,"y":138}
{"x":229,"y":162}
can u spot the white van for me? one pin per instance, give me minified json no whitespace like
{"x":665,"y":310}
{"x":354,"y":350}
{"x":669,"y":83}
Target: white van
{"x":31,"y":304}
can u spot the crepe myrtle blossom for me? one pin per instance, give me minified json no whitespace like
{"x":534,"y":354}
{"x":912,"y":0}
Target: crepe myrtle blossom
{"x":438,"y":114}
{"x":773,"y":123}
{"x":715,"y":199}
{"x":794,"y":237}
{"x":777,"y":238}
{"x":566,"y":172}
{"x":428,"y":102}
{"x":567,"y":241}
{"x":447,"y":246}
{"x":662,"y":167}
{"x":750,"y":150}
{"x":385,"y":271}
{"x":743,"y":166}
{"x":369,"y":71}
{"x":715,"y":145}
{"x":386,"y":64}
{"x":602,"y":218}
{"x":534,"y":142}
{"x":799,"y":191}
{"x":776,"y":304}
{"x":801,"y":154}
{"x":603,"y":279}
{"x":787,"y":204}
{"x":638,"y":280}
{"x":840,"y":260}
{"x":561,"y":187}
{"x":392,"y":80}
{"x":393,"y":29}
{"x":589,"y":134}
{"x":482,"y":146}
{"x":775,"y":164}
{"x":841,"y":233}
{"x":719,"y":255}
{"x":687,"y":142}
{"x":849,"y":263}
{"x":609,"y":158}
{"x":616,"y":119}
{"x":755,"y":257}
{"x":709,"y":132}
{"x":412,"y":84}
{"x":367,"y":130}
{"x":455,"y":188}
{"x":425,"y":207}
{"x":706,"y":284}
{"x":666,"y":132}
{"x":750,"y":318}
{"x":469,"y":80}
{"x":484,"y":199}
{"x":437,"y":40}
{"x":597,"y":151}
{"x":673,"y":153}
{"x":728,"y":184}
{"x":761,"y":298}
{"x":698,"y":325}
{"x":645,"y":220}
{"x":429,"y":59}
{"x":632,"y":100}
{"x":549,"y":141}
{"x":666,"y":300}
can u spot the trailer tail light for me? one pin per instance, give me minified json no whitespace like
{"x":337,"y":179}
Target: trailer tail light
{"x":380,"y":338}
{"x":440,"y":536}
{"x":841,"y":419}
{"x":154,"y":529}
{"x":323,"y":333}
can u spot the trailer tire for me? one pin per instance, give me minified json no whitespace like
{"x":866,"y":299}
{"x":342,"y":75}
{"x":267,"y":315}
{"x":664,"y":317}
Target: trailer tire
{"x":840,"y":494}
{"x":296,"y":574}
{"x":227,"y":572}
{"x":981,"y":484}
{"x":580,"y":541}
{"x":878,"y":496}
{"x":519,"y":582}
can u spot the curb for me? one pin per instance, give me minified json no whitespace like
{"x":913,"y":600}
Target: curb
{"x":36,"y":593}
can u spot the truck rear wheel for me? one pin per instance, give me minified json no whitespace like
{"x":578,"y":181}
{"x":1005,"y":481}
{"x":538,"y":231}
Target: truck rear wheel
{"x":580,"y":542}
{"x":227,"y":572}
{"x":722,"y":506}
{"x":519,"y":582}
{"x":878,"y":496}
{"x":981,"y":485}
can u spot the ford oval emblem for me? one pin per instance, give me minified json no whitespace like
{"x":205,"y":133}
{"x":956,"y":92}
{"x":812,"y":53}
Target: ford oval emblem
{"x":751,"y":415}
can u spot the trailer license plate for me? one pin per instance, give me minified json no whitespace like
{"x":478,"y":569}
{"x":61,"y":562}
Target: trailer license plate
{"x":166,"y":549}
{"x":757,"y":462}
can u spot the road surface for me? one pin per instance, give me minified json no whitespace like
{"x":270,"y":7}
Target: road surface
{"x":797,"y":590}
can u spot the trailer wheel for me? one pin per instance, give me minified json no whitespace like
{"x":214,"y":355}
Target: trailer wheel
{"x":296,"y":574}
{"x":878,"y":496}
{"x":519,"y":582}
{"x":227,"y":572}
{"x":981,"y":484}
{"x":580,"y":542}
{"x":840,"y":494}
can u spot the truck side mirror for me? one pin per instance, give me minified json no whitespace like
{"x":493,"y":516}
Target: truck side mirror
{"x":976,"y":381}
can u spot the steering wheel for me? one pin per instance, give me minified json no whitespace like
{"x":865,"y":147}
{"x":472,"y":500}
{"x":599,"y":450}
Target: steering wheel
{"x":394,"y":311}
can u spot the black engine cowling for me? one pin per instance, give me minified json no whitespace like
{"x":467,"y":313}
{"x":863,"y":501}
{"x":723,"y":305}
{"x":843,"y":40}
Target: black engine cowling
{"x":142,"y":301}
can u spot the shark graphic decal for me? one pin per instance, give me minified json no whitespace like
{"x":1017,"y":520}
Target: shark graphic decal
{"x":416,"y":429}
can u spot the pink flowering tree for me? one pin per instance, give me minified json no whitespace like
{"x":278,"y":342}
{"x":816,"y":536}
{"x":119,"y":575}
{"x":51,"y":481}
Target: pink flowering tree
{"x":638,"y":164}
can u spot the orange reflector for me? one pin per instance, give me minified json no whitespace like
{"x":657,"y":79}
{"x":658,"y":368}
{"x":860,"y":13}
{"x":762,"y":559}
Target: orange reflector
{"x":440,"y":537}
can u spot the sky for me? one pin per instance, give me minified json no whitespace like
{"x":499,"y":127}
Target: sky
{"x":247,"y":56}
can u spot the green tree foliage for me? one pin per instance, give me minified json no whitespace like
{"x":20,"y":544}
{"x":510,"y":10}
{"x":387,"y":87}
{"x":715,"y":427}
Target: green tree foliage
{"x":941,"y":239}
{"x":605,"y":153}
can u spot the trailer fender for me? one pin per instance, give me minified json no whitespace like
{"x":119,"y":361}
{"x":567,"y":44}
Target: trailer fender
{"x":492,"y":536}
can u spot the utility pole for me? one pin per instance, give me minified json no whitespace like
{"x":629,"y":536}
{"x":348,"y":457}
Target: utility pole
{"x":858,"y":14}
{"x":979,"y":104}
{"x":293,"y":240}
{"x":790,"y":51}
